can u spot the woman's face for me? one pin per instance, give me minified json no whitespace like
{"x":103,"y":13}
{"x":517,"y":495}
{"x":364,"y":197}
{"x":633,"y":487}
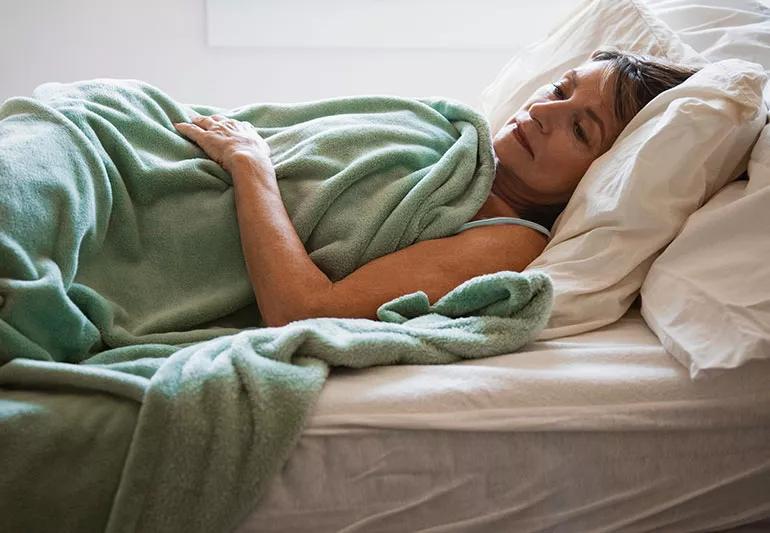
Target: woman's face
{"x":546,"y":147}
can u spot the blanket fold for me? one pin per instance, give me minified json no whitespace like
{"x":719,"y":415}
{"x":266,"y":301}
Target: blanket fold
{"x":128,"y":400}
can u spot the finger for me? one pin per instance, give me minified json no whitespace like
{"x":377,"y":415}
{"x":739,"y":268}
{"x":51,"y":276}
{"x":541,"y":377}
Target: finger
{"x":191,"y":130}
{"x":203,"y":121}
{"x":225,"y":123}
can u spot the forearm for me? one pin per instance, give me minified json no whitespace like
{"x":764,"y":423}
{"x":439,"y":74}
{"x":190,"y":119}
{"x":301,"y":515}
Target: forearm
{"x":285,"y":280}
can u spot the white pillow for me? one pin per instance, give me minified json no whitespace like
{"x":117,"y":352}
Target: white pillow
{"x":685,"y":145}
{"x":720,"y":29}
{"x":626,"y":24}
{"x":707,"y":297}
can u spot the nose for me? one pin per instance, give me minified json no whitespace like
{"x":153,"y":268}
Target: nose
{"x":546,"y":114}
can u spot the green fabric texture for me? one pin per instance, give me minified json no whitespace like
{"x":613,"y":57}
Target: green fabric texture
{"x":139,"y":388}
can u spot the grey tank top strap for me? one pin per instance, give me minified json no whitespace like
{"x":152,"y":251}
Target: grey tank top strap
{"x":504,"y":220}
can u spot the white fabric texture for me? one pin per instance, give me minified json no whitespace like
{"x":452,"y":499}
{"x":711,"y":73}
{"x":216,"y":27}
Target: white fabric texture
{"x":685,"y":145}
{"x":719,"y":29}
{"x":707,"y":297}
{"x":603,"y":431}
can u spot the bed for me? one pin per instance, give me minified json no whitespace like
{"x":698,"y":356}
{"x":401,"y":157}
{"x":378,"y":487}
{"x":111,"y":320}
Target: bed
{"x":598,"y":431}
{"x":602,"y":431}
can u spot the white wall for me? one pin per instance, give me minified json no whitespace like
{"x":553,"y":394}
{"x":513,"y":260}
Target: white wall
{"x":164,"y":43}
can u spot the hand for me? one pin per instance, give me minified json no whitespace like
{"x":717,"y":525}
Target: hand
{"x":225,"y":140}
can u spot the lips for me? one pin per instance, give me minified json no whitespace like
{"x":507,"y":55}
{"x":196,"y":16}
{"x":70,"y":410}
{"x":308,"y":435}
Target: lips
{"x":522,"y":138}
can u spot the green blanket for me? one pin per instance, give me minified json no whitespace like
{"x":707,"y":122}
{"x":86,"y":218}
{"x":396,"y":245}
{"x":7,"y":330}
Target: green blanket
{"x":140,"y":391}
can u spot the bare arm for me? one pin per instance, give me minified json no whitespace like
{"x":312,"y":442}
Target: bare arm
{"x":433,"y":266}
{"x":287,"y":284}
{"x":284,"y":278}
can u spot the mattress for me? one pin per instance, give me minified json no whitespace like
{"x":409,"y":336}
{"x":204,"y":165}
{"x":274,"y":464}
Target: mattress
{"x":602,"y":431}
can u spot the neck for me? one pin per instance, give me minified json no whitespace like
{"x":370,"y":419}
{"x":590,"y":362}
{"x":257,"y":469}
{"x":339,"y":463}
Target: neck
{"x":512,"y":199}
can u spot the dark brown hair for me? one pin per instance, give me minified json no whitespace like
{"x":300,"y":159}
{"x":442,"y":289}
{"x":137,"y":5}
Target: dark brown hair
{"x":637,"y":80}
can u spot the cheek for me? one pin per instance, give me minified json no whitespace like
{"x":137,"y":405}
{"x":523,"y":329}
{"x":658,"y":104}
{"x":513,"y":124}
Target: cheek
{"x":564,"y":166}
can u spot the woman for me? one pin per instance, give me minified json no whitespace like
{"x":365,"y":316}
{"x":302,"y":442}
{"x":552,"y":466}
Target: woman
{"x":541,"y":154}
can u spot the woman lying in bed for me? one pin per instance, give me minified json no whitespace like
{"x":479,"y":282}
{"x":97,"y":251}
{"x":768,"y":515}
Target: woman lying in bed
{"x":541,"y":154}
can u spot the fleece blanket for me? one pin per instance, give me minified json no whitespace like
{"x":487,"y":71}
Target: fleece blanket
{"x":139,"y":388}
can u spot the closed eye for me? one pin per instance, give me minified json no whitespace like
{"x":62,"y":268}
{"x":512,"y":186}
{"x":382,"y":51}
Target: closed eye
{"x":558,"y":90}
{"x":580,"y":133}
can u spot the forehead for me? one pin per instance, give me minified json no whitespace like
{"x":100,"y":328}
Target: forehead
{"x":595,"y":87}
{"x":594,"y":82}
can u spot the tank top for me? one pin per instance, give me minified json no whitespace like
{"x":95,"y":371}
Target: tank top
{"x":504,"y":220}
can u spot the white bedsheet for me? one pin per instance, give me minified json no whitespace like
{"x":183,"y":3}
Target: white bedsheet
{"x":602,"y":431}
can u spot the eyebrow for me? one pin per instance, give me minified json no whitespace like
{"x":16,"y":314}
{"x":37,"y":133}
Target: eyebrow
{"x":572,"y":75}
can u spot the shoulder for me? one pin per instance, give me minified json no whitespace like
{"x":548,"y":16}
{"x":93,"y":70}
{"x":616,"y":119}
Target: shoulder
{"x":514,"y":237}
{"x":519,"y":245}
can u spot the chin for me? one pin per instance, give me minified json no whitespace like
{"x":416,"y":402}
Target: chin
{"x":507,"y":157}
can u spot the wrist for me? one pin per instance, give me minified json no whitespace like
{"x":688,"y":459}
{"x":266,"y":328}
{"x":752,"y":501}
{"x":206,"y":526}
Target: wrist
{"x":249,"y":163}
